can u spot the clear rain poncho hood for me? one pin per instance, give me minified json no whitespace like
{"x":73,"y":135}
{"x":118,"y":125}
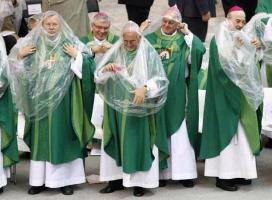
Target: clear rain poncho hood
{"x":134,"y":69}
{"x":238,"y":61}
{"x":171,"y":13}
{"x":3,"y":67}
{"x":40,"y":81}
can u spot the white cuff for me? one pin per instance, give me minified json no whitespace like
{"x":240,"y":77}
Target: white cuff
{"x":189,"y":41}
{"x":76,"y":65}
{"x":151,"y":87}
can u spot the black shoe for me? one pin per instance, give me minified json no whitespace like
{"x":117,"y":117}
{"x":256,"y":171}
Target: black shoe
{"x":1,"y":190}
{"x":67,"y":190}
{"x":189,"y":183}
{"x":36,"y":189}
{"x":241,"y":181}
{"x":112,"y":187}
{"x":138,"y":191}
{"x":268,"y":144}
{"x":226,"y":184}
{"x":162,"y":183}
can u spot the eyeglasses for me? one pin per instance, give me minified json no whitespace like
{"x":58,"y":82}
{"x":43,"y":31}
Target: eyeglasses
{"x":101,"y":27}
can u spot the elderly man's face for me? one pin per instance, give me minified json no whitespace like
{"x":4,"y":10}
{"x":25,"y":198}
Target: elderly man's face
{"x":131,"y":40}
{"x":51,"y":25}
{"x":169,"y":26}
{"x":100,"y":29}
{"x":237,"y":19}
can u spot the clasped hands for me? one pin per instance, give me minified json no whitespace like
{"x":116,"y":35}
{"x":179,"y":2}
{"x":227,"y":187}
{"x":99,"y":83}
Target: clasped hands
{"x":254,"y":41}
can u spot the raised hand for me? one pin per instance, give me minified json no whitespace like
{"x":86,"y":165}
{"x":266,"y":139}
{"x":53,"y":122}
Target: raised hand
{"x":70,"y":50}
{"x":26,"y":51}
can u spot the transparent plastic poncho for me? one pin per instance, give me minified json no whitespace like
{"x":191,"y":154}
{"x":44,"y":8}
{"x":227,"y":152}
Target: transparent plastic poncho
{"x":3,"y":66}
{"x":238,"y":60}
{"x":133,"y":70}
{"x":257,"y":28}
{"x":40,"y":81}
{"x":263,"y":31}
{"x":6,"y":9}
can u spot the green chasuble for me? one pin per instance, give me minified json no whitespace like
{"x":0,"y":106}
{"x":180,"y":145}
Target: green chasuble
{"x":264,"y":6}
{"x":111,"y":38}
{"x":182,"y":98}
{"x":8,"y":130}
{"x":62,"y":136}
{"x":129,"y":140}
{"x":225,"y":105}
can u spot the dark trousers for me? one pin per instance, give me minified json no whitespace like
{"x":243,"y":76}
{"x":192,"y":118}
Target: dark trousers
{"x":197,"y":26}
{"x":137,"y":14}
{"x":10,"y":41}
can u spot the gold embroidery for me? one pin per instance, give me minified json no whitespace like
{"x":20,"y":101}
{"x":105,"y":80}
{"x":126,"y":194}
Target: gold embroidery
{"x":51,"y":61}
{"x":165,"y":53}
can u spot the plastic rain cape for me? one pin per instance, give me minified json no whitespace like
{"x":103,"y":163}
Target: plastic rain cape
{"x":238,"y":62}
{"x":134,"y":69}
{"x":6,"y":9}
{"x":40,"y":81}
{"x":257,"y":28}
{"x":3,"y":66}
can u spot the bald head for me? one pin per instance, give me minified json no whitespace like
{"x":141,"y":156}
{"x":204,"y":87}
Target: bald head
{"x":237,"y":18}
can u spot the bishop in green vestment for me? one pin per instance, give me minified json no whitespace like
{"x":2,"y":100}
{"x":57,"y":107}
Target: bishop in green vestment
{"x":8,"y":143}
{"x":51,"y":82}
{"x":181,"y":54}
{"x":230,"y":136}
{"x":133,"y":84}
{"x":99,"y":40}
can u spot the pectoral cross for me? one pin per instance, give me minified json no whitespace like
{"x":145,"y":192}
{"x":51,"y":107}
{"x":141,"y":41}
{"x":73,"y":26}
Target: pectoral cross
{"x":165,"y":53}
{"x":52,"y":59}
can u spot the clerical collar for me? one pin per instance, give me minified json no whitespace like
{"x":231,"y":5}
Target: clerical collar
{"x":54,"y":38}
{"x":98,"y":41}
{"x":51,"y":39}
{"x":163,"y":33}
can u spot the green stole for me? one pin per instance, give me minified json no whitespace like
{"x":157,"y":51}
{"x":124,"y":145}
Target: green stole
{"x":8,"y":130}
{"x":62,"y":136}
{"x":111,"y":38}
{"x":225,"y":105}
{"x":202,"y":79}
{"x":182,"y":98}
{"x":264,"y":6}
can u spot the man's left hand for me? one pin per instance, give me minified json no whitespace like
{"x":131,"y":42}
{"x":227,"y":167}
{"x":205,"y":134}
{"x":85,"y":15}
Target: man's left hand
{"x":206,"y":17}
{"x":70,"y":50}
{"x":256,"y":43}
{"x":183,"y":27}
{"x":139,"y":95}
